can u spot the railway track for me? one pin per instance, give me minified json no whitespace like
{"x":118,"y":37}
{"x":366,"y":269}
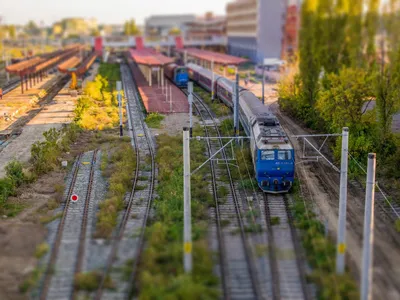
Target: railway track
{"x":67,"y":255}
{"x":238,"y":271}
{"x":287,"y":262}
{"x":129,"y":240}
{"x":8,"y":87}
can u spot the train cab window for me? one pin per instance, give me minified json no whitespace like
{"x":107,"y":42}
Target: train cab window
{"x":181,"y":71}
{"x":284,"y":155}
{"x":267,"y":155}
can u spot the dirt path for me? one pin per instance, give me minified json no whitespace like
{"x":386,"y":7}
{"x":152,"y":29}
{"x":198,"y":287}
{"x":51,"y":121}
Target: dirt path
{"x":322,"y":185}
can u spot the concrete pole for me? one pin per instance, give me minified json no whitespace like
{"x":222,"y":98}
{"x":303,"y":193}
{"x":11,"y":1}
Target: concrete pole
{"x":263,"y":84}
{"x":190,"y":87}
{"x":162,"y":76}
{"x":150,"y":79}
{"x":22,"y":84}
{"x":7,"y":74}
{"x":367,"y":265}
{"x":341,"y":237}
{"x":236,"y":107}
{"x":119,"y":88}
{"x":158,"y":77}
{"x":170,"y":98}
{"x":185,"y":58}
{"x":187,"y":219}
{"x":212,"y":80}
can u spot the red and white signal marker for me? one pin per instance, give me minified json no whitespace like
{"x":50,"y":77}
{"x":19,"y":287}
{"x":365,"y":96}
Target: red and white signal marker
{"x":74,"y":198}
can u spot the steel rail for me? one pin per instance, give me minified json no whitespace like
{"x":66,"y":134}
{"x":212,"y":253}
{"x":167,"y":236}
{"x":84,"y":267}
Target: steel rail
{"x":247,"y":251}
{"x":56,"y":247}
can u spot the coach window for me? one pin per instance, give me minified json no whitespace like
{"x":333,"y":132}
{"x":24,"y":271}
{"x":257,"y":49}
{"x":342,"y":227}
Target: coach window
{"x":284,"y":155}
{"x":267,"y":155}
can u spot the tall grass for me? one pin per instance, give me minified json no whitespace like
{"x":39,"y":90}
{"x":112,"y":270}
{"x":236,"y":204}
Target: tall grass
{"x":161,"y":273}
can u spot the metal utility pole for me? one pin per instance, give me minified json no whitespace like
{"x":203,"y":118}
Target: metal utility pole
{"x":366,"y":276}
{"x":187,"y":219}
{"x":119,"y":88}
{"x":190,"y":87}
{"x":341,"y":237}
{"x":236,"y":107}
{"x":212,"y":80}
{"x":263,"y":84}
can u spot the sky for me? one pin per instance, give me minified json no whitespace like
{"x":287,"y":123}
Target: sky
{"x":105,"y":11}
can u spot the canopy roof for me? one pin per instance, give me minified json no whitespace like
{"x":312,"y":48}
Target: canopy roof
{"x":149,"y":57}
{"x":218,"y":58}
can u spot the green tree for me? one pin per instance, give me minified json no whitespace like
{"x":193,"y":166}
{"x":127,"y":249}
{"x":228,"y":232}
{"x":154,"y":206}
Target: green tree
{"x":388,"y":95}
{"x":341,"y":104}
{"x":174,"y":31}
{"x":31,"y":28}
{"x":130,"y":28}
{"x":371,"y":26}
{"x":12,"y":31}
{"x":352,"y":52}
{"x":309,"y":64}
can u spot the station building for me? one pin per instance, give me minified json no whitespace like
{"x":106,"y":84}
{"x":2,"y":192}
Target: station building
{"x":159,"y":26}
{"x":256,"y":28}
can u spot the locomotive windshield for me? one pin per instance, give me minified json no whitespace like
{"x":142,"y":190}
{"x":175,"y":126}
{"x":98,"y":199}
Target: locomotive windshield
{"x":181,"y":71}
{"x":268,"y":155}
{"x":284,"y":155}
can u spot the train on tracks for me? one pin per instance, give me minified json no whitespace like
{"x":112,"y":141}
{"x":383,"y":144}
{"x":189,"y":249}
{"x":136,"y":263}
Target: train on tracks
{"x":177,"y":74}
{"x":272,"y":153}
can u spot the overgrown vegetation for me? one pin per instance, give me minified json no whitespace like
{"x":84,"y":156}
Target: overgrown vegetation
{"x":41,"y":250}
{"x":14,"y":178}
{"x":44,"y":155}
{"x":161,"y":265}
{"x":90,"y":281}
{"x":321,"y":253}
{"x":117,"y":164}
{"x":31,"y":281}
{"x":98,"y":108}
{"x":154,"y":120}
{"x":340,"y":70}
{"x":215,"y":106}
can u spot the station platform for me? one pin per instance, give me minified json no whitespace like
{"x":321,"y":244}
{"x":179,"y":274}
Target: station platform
{"x":157,"y":99}
{"x":15,"y":104}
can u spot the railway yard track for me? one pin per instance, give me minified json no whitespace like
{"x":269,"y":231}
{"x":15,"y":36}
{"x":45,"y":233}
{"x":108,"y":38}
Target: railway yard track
{"x":68,"y":251}
{"x":237,"y":267}
{"x":129,"y":240}
{"x":278,"y":272}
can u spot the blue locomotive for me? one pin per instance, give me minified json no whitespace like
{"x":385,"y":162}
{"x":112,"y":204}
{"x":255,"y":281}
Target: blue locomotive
{"x":272,"y":154}
{"x":177,"y":74}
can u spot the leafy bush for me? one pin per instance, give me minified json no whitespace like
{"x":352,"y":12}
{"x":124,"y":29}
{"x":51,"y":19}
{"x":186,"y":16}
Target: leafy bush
{"x":154,"y":120}
{"x":44,"y":155}
{"x":90,"y":281}
{"x":119,"y":165}
{"x":321,"y":253}
{"x":41,"y":250}
{"x":15,"y":173}
{"x":98,"y":109}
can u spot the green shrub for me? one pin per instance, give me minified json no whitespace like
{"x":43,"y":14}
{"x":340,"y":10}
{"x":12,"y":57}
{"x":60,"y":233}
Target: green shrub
{"x":90,"y":281}
{"x":397,"y":225}
{"x":154,"y":120}
{"x":275,"y":221}
{"x":31,"y":281}
{"x":14,"y":171}
{"x":41,"y":250}
{"x":118,"y":164}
